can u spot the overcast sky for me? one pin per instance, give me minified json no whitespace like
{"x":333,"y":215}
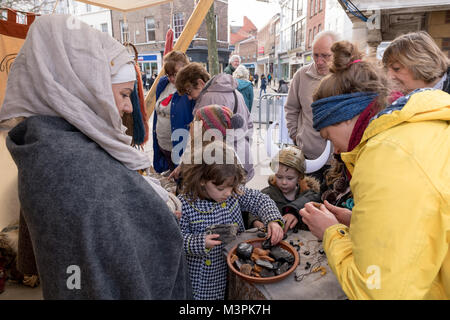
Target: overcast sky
{"x":258,"y":12}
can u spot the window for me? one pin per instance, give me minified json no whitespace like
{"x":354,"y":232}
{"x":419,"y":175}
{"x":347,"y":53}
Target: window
{"x":293,"y":33}
{"x":21,"y":18}
{"x":320,"y":5}
{"x":104,"y":27}
{"x":88,"y":8}
{"x":311,"y":8}
{"x":3,"y":15}
{"x":315,"y":6}
{"x":178,"y":24}
{"x":299,"y":34}
{"x":319,"y":27}
{"x":314,"y":33}
{"x":299,"y":8}
{"x":150,"y":30}
{"x":124,"y":32}
{"x":292,"y":10}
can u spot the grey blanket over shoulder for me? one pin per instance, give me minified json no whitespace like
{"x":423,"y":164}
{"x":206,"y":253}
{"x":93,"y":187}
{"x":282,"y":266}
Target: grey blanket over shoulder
{"x":86,"y":209}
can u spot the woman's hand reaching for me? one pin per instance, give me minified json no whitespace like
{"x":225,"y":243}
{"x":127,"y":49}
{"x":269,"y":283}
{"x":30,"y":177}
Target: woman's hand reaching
{"x":317,"y":219}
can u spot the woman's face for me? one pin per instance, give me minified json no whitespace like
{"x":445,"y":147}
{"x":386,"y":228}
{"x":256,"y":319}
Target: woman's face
{"x":404,"y":78}
{"x":287,"y":178}
{"x":194,"y":92}
{"x":172,"y":77}
{"x":339,"y":134}
{"x":122,"y":92}
{"x":219,"y":193}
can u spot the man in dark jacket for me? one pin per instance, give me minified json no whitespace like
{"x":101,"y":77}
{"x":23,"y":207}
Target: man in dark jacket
{"x":233,"y":63}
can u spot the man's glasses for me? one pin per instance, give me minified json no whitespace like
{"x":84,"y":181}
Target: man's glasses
{"x":323,"y":56}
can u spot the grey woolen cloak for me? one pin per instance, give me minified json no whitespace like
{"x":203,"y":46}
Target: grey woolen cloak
{"x":84,"y":208}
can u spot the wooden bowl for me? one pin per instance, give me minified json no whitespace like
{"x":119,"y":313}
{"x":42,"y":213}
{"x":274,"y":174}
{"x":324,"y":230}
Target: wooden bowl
{"x":257,"y":243}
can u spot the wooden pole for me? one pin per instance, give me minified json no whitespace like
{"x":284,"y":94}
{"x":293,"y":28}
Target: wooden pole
{"x":182,"y":44}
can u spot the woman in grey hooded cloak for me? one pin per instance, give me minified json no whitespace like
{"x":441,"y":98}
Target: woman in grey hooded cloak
{"x":98,"y":228}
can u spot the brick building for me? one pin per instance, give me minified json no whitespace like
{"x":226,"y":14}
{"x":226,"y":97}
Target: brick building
{"x":245,"y":44}
{"x":147,"y":29}
{"x":247,"y":51}
{"x":266,"y":46}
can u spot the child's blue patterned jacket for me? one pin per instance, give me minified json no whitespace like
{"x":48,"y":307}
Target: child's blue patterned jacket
{"x":208,"y":268}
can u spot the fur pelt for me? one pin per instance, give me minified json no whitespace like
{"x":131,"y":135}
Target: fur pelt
{"x":307,"y":183}
{"x":9,"y":246}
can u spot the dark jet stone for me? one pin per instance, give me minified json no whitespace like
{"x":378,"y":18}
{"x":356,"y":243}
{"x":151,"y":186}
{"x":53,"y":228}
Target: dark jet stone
{"x":282,"y":269}
{"x":265,"y":264}
{"x":266,"y":273}
{"x":276,"y":264}
{"x":281,"y":254}
{"x":227,"y":232}
{"x":266,"y":244}
{"x":250,"y":262}
{"x":261,"y":234}
{"x":244,"y":250}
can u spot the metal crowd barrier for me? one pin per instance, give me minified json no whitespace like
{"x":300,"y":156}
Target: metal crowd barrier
{"x":274,"y":104}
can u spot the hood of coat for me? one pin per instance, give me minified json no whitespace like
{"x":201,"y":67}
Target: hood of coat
{"x":312,"y":72}
{"x":221,"y":83}
{"x":418,"y":106}
{"x":242,"y":84}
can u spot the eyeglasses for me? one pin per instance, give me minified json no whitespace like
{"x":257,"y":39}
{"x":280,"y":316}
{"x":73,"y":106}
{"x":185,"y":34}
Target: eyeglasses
{"x":323,"y":56}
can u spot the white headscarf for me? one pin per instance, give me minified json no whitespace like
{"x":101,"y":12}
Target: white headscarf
{"x":125,"y":74}
{"x":64,"y":69}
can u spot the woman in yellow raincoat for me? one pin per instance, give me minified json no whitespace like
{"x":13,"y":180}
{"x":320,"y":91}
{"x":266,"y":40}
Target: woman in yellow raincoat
{"x":394,"y":244}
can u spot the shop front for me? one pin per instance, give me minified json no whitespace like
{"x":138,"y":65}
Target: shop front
{"x":251,"y":67}
{"x":150,"y":63}
{"x":295,"y":63}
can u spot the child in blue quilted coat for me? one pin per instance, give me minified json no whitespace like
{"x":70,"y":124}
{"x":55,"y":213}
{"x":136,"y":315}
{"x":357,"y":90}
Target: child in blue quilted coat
{"x":213,"y":194}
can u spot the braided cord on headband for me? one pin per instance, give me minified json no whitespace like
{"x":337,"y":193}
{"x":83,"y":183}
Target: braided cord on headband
{"x":335,"y":109}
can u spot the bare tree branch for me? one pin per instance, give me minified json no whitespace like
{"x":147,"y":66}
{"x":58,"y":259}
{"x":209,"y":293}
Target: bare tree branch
{"x":35,"y":6}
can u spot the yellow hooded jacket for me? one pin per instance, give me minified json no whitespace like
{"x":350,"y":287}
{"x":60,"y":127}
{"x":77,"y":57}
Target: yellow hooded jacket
{"x":397,"y":246}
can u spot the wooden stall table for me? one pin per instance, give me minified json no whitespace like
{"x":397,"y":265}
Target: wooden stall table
{"x":302,"y":284}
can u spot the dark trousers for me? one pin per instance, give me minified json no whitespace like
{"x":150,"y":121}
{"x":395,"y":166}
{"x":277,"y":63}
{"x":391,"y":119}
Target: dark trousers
{"x":168,"y":156}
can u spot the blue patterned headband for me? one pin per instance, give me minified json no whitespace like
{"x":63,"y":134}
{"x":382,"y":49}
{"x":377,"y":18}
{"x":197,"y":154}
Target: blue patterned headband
{"x":335,"y":109}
